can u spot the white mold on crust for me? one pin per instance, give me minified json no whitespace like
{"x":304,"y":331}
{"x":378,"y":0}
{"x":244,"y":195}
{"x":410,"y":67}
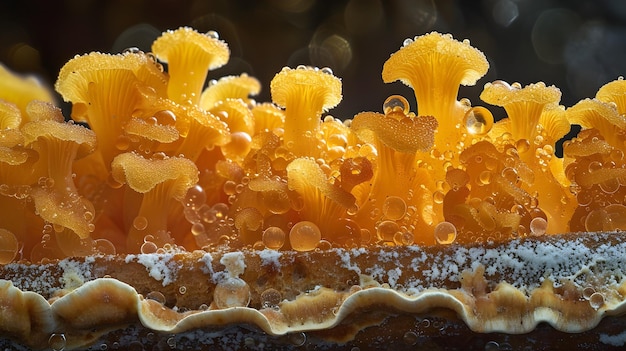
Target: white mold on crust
{"x":569,"y":283}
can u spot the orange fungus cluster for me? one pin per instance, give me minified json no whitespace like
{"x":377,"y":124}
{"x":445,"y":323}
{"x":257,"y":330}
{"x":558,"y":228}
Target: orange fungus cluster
{"x":158,"y":161}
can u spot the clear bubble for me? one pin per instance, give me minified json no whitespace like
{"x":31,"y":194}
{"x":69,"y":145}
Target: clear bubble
{"x":57,"y":341}
{"x":8,"y":246}
{"x":596,"y":300}
{"x":386,"y":230}
{"x":492,"y":346}
{"x":195,"y":197}
{"x":396,"y":103}
{"x":478,"y":120}
{"x":394,"y":207}
{"x":273,"y":238}
{"x":140,"y":223}
{"x":156,"y":296}
{"x":231,"y":292}
{"x":410,"y":338}
{"x":538,"y":226}
{"x":213,"y":34}
{"x":297,"y":339}
{"x":304,"y":236}
{"x":445,"y":233}
{"x":270,"y":298}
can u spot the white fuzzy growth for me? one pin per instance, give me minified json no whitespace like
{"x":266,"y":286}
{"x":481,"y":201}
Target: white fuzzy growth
{"x":270,"y":258}
{"x":234,"y":262}
{"x":614,"y":340}
{"x":159,"y":266}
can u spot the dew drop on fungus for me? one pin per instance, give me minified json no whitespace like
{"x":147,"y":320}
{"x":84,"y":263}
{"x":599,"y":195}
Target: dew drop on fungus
{"x":394,"y":207}
{"x":57,"y":341}
{"x":156,"y":296}
{"x":596,"y":300}
{"x":231,"y":292}
{"x":410,"y":338}
{"x":8,"y":246}
{"x":304,"y":236}
{"x":273,"y":238}
{"x":538,"y":226}
{"x":271,"y":298}
{"x":140,"y":223}
{"x":478,"y":120}
{"x":195,"y":197}
{"x":445,"y":233}
{"x":396,"y":103}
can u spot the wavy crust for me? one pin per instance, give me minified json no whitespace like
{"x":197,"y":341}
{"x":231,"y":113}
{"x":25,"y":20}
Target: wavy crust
{"x":571,"y":282}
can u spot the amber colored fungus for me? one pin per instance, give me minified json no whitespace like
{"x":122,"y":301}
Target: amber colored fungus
{"x":164,"y":163}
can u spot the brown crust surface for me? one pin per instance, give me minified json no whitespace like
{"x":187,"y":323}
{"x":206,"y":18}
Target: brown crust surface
{"x":570,"y":287}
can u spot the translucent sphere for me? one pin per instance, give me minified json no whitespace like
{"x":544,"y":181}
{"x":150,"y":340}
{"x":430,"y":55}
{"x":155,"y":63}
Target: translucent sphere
{"x":396,"y":103}
{"x":445,"y":233}
{"x":304,"y":236}
{"x":232,"y":292}
{"x":274,"y":238}
{"x":394,"y":207}
{"x":478,"y":120}
{"x":8,"y":246}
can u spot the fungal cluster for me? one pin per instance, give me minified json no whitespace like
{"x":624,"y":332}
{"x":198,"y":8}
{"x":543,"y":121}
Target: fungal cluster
{"x":165,"y":163}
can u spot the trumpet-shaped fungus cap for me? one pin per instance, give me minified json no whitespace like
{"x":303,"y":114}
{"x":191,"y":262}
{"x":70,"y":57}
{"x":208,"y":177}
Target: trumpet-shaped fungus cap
{"x":614,"y":92}
{"x":323,"y":202}
{"x":230,"y":87}
{"x":141,"y":128}
{"x":22,"y":90}
{"x":523,"y":106}
{"x":58,"y":145}
{"x":304,"y":92}
{"x":143,"y":175}
{"x":406,"y":134}
{"x":554,"y":121}
{"x":593,"y":113}
{"x":435,"y":65}
{"x":189,"y":55}
{"x":163,"y":181}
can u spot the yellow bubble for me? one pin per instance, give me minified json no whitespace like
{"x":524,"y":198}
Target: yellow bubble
{"x":140,"y":223}
{"x":478,"y":120}
{"x":538,"y":226}
{"x":304,"y":236}
{"x":394,"y":207}
{"x":195,"y":197}
{"x":396,"y":103}
{"x":386,"y":230}
{"x":232,"y":292}
{"x":445,"y":233}
{"x":8,"y":246}
{"x":274,"y":238}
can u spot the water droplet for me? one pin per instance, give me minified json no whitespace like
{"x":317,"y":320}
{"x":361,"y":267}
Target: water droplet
{"x":596,"y":300}
{"x":587,"y":292}
{"x":394,"y":207}
{"x":273,"y":238}
{"x":156,"y":296}
{"x":140,"y":223}
{"x":410,"y":338}
{"x":396,"y":103}
{"x":270,"y":298}
{"x":538,"y":226}
{"x":297,"y":339}
{"x":212,"y":34}
{"x":9,"y":246}
{"x":304,"y":236}
{"x":182,"y":290}
{"x":386,"y":230}
{"x":195,"y":197}
{"x":445,"y":233}
{"x":231,"y":292}
{"x":327,"y":70}
{"x":478,"y":120}
{"x":57,"y":342}
{"x":132,"y":50}
{"x":407,"y":41}
{"x":492,"y":346}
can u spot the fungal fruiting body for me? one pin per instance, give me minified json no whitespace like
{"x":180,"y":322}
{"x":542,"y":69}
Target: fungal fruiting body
{"x":165,"y":165}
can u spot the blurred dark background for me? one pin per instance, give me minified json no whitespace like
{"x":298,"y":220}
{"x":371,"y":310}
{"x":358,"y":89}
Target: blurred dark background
{"x":575,"y":45}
